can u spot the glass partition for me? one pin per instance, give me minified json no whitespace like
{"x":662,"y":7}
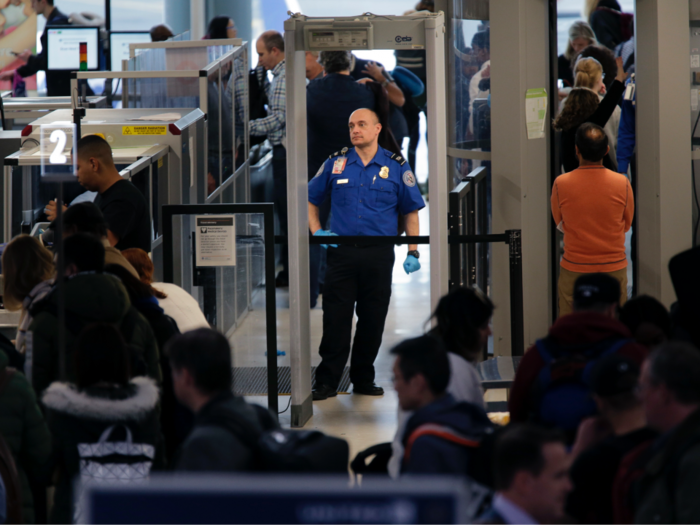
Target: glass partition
{"x":222,"y":260}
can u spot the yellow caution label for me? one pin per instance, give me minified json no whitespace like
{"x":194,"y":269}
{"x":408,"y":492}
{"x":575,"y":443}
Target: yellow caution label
{"x":144,"y":130}
{"x":160,"y":162}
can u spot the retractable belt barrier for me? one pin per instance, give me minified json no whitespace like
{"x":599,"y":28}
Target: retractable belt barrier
{"x":511,"y":237}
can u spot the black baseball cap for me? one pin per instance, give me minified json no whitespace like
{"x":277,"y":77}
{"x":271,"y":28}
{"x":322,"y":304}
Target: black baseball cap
{"x":614,"y":375}
{"x":596,"y":288}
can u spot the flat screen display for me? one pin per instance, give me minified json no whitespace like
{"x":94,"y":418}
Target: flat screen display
{"x":119,"y":45}
{"x":64,"y":47}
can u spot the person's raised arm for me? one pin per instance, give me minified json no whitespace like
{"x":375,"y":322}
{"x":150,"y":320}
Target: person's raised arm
{"x":612,"y":97}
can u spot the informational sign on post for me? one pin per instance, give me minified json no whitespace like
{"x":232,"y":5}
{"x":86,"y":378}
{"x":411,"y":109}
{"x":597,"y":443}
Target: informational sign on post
{"x":57,"y":142}
{"x":215,"y":240}
{"x":535,"y":112}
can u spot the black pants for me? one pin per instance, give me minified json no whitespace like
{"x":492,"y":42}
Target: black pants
{"x":358,"y":279}
{"x":279,"y":176}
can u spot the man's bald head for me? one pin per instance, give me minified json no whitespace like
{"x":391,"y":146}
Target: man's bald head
{"x":366,"y":114}
{"x":270,"y":49}
{"x":364,"y":128}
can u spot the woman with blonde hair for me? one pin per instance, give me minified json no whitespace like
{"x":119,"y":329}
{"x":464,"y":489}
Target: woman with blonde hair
{"x":28,"y":273}
{"x":584,"y":105}
{"x":580,"y":37}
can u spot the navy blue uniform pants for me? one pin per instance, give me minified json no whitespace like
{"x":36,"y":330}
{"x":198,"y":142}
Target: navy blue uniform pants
{"x":358,"y":279}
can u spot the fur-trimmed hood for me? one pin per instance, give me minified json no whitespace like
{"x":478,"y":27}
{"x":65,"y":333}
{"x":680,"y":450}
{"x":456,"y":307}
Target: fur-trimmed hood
{"x":67,"y":399}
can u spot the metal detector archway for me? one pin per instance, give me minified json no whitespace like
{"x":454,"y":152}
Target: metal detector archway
{"x":421,"y":30}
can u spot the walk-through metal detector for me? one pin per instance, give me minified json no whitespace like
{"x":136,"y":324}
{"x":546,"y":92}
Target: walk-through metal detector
{"x":365,"y":32}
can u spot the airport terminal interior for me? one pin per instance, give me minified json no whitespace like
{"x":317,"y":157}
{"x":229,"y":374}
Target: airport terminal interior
{"x":351,"y":261}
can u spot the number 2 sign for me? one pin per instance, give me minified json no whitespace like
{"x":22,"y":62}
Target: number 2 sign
{"x":58,"y":141}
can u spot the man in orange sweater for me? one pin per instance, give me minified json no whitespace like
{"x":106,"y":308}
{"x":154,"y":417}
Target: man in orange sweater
{"x":594,"y":208}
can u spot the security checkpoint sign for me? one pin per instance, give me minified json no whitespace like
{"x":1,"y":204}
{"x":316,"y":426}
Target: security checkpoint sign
{"x":215,"y":240}
{"x":144,"y":130}
{"x":535,"y":112}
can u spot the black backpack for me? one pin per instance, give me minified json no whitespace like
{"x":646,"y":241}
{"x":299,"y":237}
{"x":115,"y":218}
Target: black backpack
{"x":302,"y":451}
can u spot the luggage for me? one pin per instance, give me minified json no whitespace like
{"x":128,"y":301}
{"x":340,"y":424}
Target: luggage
{"x":307,"y":451}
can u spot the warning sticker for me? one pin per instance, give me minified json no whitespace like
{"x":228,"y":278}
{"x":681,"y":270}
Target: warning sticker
{"x":144,"y":130}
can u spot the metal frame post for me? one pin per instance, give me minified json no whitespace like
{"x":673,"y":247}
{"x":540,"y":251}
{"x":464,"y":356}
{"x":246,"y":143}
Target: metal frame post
{"x":663,"y":141}
{"x":438,"y":174}
{"x":298,"y":231}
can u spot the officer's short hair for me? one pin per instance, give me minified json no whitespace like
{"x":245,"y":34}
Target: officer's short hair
{"x":425,"y":355}
{"x":206,"y":354}
{"x":335,"y":61}
{"x":376,"y":116}
{"x":592,"y":142}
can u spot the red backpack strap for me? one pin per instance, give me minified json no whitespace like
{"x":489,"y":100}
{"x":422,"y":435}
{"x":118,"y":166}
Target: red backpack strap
{"x":440,"y":431}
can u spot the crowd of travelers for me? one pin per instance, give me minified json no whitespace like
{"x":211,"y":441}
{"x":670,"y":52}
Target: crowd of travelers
{"x":604,"y":409}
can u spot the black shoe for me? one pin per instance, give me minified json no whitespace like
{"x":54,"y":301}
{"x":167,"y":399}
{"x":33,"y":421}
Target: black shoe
{"x":368,"y":390}
{"x":322,"y":392}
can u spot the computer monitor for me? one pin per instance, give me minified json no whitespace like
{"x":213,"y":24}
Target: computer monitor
{"x":64,"y":47}
{"x":119,"y":45}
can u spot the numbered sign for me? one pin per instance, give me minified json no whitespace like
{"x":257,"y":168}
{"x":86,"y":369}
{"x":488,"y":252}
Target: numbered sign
{"x":58,"y":141}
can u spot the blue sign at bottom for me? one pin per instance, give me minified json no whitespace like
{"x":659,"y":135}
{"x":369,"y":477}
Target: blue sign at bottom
{"x":277,"y":499}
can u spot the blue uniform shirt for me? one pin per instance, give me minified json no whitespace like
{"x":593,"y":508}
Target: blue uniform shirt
{"x":362,"y":201}
{"x":626,"y":135}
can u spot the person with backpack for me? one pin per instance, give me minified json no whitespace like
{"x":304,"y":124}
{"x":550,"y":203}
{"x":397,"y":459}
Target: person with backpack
{"x":442,"y":434}
{"x":531,"y":471}
{"x":101,"y":406}
{"x":463,"y":319}
{"x":226,"y":428}
{"x":90,"y":297}
{"x":610,"y":24}
{"x":25,"y":444}
{"x":552,"y":383}
{"x":603,"y":441}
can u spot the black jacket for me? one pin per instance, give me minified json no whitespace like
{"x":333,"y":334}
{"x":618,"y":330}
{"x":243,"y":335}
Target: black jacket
{"x":224,"y":438}
{"x":81,"y":416}
{"x":57,"y":82}
{"x":606,"y":23}
{"x":599,"y":117}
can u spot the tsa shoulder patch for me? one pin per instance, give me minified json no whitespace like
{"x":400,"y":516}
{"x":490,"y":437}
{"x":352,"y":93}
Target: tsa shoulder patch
{"x":409,"y":179}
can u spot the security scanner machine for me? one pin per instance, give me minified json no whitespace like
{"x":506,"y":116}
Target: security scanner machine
{"x":158,"y":151}
{"x":194,"y":74}
{"x":22,"y":110}
{"x":421,"y":30}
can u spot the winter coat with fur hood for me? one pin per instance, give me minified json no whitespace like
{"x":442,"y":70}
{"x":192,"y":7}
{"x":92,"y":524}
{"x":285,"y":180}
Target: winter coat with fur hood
{"x":80,"y":416}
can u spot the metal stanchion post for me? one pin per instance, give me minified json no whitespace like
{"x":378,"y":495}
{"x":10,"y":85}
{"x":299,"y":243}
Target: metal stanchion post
{"x":516,"y":292}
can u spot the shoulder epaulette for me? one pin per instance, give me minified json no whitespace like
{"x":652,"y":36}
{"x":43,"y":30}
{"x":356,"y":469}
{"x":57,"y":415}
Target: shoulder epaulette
{"x":338,"y":153}
{"x":398,"y":158}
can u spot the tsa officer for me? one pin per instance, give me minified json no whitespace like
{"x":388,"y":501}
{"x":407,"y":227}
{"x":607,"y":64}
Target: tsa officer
{"x":369,"y":188}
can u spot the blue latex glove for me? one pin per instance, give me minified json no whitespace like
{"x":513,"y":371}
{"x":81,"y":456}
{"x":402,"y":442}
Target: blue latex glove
{"x":411,"y":264}
{"x":326,"y":233}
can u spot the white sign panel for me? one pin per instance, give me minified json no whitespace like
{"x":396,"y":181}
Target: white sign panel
{"x":57,"y":142}
{"x":215,"y":240}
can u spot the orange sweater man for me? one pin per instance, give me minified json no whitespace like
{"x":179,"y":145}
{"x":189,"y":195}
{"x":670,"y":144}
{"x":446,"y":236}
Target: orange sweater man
{"x":594,"y":208}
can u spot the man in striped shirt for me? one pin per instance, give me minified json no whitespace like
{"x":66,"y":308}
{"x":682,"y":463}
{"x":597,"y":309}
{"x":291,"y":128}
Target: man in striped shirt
{"x":270,"y":48}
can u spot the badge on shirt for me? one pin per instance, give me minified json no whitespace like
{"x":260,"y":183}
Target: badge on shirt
{"x":384,"y":173}
{"x":339,"y":165}
{"x":409,"y":179}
